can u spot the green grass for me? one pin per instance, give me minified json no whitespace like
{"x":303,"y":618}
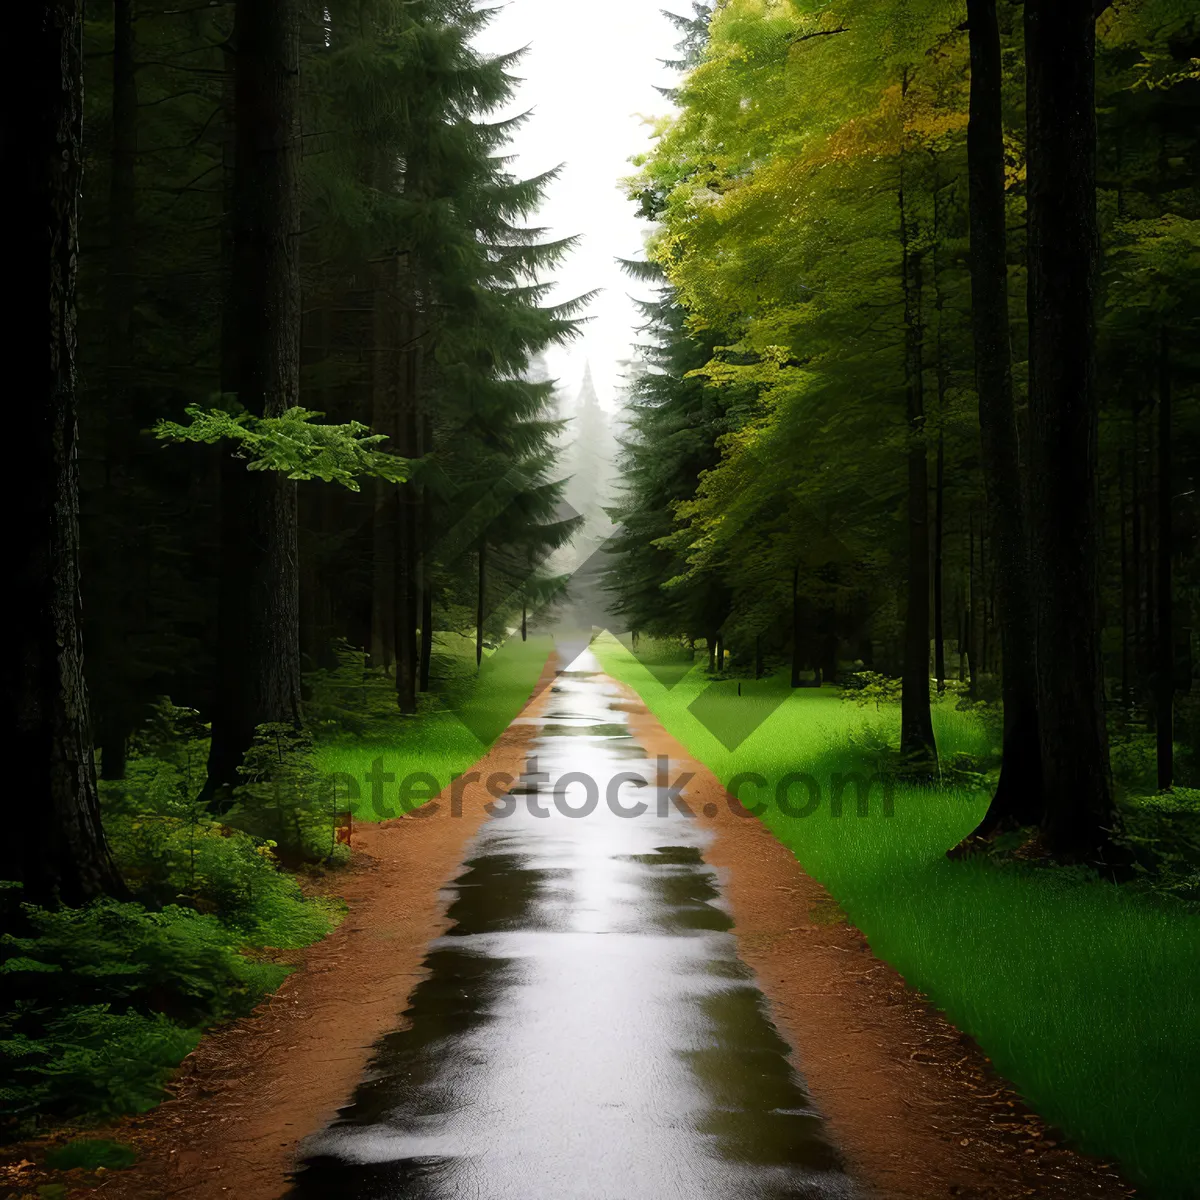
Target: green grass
{"x":1085,"y":996}
{"x":465,"y":717}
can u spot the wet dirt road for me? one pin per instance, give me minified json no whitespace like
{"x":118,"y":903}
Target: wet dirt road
{"x":587,"y":1029}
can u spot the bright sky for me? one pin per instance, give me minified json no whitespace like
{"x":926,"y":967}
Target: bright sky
{"x":590,"y":74}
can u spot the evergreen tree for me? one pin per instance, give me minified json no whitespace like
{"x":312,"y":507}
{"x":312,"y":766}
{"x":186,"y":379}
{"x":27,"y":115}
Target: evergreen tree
{"x":55,"y":845}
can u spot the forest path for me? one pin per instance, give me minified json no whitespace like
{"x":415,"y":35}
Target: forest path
{"x":587,"y":1030}
{"x":630,"y":1008}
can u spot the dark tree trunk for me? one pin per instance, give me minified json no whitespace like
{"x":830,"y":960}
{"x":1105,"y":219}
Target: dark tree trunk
{"x":796,"y":633}
{"x":960,"y":626}
{"x":385,"y":384}
{"x":939,"y":523}
{"x":827,"y":651}
{"x":480,"y":603}
{"x":1063,"y":245}
{"x":1135,"y":523}
{"x":972,"y":614}
{"x":426,"y":533}
{"x":984,"y":594}
{"x":758,"y":659}
{"x":1126,"y":591}
{"x":939,"y":486}
{"x":917,"y":743}
{"x":1164,"y":691}
{"x":119,"y":290}
{"x":426,"y":632}
{"x":122,"y":601}
{"x":258,"y":652}
{"x":407,"y":545}
{"x":53,"y":840}
{"x":321,"y":514}
{"x":112,"y":741}
{"x":1017,"y":800}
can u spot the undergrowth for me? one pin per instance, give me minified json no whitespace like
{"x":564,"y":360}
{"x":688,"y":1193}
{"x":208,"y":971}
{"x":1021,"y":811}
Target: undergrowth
{"x":103,"y":1002}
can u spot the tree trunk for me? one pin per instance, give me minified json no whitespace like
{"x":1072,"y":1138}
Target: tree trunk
{"x":1126,"y":591}
{"x":917,"y":743}
{"x":796,"y":627}
{"x":258,"y":674}
{"x":481,"y":597}
{"x":426,"y":534}
{"x":972,"y":614}
{"x":112,"y":740}
{"x":1063,"y":245}
{"x":426,"y":632}
{"x":385,"y":383}
{"x":758,"y":658}
{"x":1017,"y":801}
{"x":54,"y":843}
{"x":985,"y":593}
{"x":1135,"y":523}
{"x":408,"y":503}
{"x":960,"y":626}
{"x":939,"y":521}
{"x":121,"y":600}
{"x":1164,"y":691}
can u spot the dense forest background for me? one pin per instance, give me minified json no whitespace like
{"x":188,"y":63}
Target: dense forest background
{"x":916,"y":413}
{"x":295,"y":421}
{"x":919,"y":391}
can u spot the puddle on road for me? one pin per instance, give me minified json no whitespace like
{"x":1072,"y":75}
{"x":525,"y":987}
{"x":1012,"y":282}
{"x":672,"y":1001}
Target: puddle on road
{"x":587,"y":1030}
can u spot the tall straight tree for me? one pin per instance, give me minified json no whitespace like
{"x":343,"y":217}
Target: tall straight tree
{"x":120,"y":274}
{"x":258,"y":620}
{"x":1060,"y":38}
{"x":1017,"y":800}
{"x":1164,"y":667}
{"x":917,"y":742}
{"x":54,"y":844}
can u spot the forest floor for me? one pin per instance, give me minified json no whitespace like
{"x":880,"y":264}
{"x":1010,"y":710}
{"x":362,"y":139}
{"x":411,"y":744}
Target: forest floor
{"x":914,"y":1106}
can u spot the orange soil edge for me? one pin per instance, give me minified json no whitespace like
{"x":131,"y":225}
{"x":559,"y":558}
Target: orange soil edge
{"x":912,"y":1103}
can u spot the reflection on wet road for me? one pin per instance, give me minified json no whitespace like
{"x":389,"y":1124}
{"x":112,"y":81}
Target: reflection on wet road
{"x":587,"y":1031}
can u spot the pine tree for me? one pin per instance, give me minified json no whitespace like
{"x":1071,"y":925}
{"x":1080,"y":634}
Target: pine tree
{"x":55,"y":845}
{"x":258,"y":630}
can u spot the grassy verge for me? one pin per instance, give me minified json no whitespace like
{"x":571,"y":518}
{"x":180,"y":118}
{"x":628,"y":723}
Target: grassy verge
{"x":461,"y":721}
{"x":1085,"y":996}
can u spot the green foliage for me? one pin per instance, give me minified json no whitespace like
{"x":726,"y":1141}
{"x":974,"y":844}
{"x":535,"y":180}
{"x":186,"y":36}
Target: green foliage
{"x":86,"y":1061}
{"x":294,"y":444}
{"x":172,"y":850}
{"x":104,"y":1001}
{"x":178,"y":962}
{"x":351,"y":698}
{"x":869,"y":687}
{"x":285,"y":799}
{"x":90,"y":1153}
{"x":1162,"y":831}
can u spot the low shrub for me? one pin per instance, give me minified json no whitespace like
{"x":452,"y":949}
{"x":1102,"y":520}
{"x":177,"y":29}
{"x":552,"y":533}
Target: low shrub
{"x":89,"y":1153}
{"x":107,"y":999}
{"x":285,"y":799}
